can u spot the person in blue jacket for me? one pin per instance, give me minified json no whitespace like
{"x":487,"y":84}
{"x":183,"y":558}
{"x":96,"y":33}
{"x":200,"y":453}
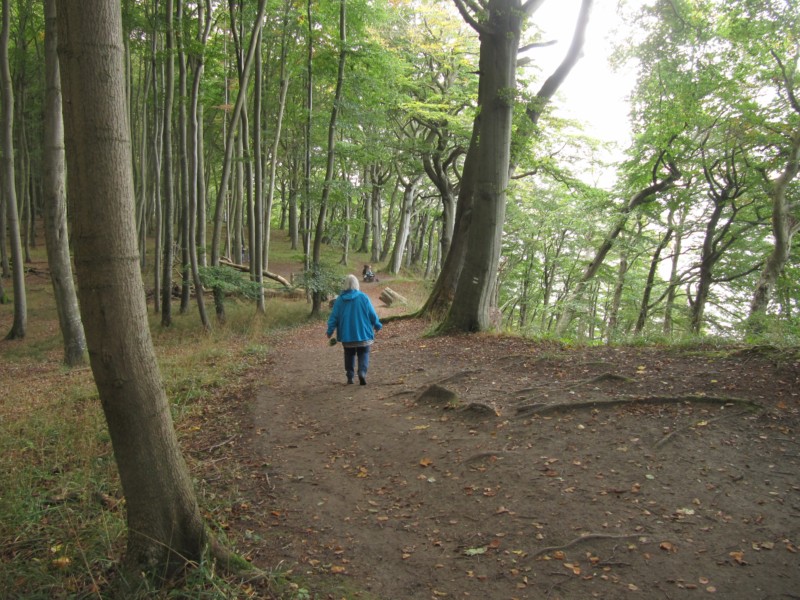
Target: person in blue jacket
{"x":355,"y":321}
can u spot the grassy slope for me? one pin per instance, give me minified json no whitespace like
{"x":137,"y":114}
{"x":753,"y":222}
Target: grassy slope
{"x":62,"y":526}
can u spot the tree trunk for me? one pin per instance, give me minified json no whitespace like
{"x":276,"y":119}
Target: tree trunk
{"x":20,"y":324}
{"x":441,"y":297}
{"x":55,"y":203}
{"x":235,"y":118}
{"x":276,"y":143}
{"x":642,"y":197}
{"x":158,"y":212}
{"x":404,"y":224}
{"x":616,"y":301}
{"x":376,"y":219}
{"x":499,"y":18}
{"x":165,"y":528}
{"x":500,"y":37}
{"x":257,"y":250}
{"x":672,"y":290}
{"x":784,"y":226}
{"x":168,"y":193}
{"x":644,"y":306}
{"x":195,"y":173}
{"x":366,"y":208}
{"x":183,"y":150}
{"x":326,"y":188}
{"x":378,"y":178}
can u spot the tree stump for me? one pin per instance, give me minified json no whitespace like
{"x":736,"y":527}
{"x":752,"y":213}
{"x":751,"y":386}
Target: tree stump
{"x":389,"y":296}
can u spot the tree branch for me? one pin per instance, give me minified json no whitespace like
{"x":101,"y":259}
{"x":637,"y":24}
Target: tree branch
{"x":531,"y":6}
{"x":574,"y":53}
{"x":462,"y":8}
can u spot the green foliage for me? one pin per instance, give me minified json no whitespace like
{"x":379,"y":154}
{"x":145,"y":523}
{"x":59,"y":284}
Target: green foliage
{"x":321,"y":279}
{"x":229,"y":282}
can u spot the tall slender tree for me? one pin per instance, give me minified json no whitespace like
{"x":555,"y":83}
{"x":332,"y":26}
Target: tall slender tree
{"x":7,"y":176}
{"x":168,"y":178}
{"x":236,"y":114}
{"x":55,"y":203}
{"x":165,"y":529}
{"x":331,"y":151}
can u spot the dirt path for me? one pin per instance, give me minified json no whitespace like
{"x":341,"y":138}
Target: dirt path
{"x":398,"y":490}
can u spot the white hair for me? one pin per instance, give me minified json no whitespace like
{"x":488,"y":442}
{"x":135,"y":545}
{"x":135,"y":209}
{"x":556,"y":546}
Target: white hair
{"x":351,"y":283}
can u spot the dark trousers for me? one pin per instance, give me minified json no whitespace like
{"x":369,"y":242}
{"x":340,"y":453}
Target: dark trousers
{"x":350,"y":355}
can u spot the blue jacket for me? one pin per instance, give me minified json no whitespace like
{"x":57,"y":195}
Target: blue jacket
{"x":353,"y":317}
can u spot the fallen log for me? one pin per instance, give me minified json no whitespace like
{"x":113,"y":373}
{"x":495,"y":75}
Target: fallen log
{"x":246,"y":269}
{"x":389,"y":296}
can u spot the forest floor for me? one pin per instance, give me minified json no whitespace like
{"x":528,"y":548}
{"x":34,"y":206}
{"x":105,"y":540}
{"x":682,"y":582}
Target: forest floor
{"x":485,"y":466}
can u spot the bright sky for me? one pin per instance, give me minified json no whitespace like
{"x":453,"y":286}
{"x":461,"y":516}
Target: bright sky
{"x":593,"y":93}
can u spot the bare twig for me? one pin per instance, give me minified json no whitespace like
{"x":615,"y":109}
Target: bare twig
{"x":584,"y":538}
{"x":220,"y":444}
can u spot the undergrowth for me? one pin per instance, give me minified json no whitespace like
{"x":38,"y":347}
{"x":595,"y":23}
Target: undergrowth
{"x":62,"y":516}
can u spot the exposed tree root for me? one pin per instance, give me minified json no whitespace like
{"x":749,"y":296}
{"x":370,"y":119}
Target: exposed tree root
{"x":456,"y":377}
{"x":575,"y":384}
{"x":403,"y":317}
{"x":583,"y":538}
{"x":539,"y":409}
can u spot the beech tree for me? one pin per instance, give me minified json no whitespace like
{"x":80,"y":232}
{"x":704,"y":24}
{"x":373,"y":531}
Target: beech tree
{"x":55,"y":202}
{"x":471,"y":267}
{"x":165,"y":528}
{"x":7,"y":175}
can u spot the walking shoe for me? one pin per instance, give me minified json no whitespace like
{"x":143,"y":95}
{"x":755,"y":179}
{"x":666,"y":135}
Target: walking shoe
{"x":362,"y":380}
{"x":349,"y":380}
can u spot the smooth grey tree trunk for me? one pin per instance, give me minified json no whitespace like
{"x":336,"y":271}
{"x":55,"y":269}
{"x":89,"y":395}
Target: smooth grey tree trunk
{"x":165,"y":529}
{"x":235,"y":119}
{"x":498,"y":19}
{"x":500,"y":38}
{"x":167,"y":182}
{"x":276,"y":142}
{"x":256,"y":251}
{"x":331,"y":151}
{"x":55,"y":201}
{"x":20,"y":323}
{"x":195,"y":151}
{"x":404,"y":224}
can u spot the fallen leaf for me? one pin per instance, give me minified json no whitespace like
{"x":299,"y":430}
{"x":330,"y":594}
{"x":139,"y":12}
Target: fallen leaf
{"x":62,"y":562}
{"x":668,"y":546}
{"x":425,"y":462}
{"x":475,"y":551}
{"x":738,"y":556}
